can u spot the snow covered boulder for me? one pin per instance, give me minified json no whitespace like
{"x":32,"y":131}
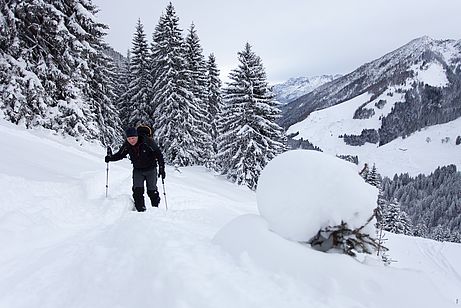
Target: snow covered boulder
{"x":301,"y":192}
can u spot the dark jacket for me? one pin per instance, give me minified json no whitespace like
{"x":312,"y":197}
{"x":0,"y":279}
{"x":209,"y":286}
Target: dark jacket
{"x":144,"y":155}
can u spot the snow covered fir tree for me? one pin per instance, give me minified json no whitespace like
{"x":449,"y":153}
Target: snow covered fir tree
{"x":237,"y":215}
{"x":431,"y":201}
{"x":249,"y":136}
{"x":214,"y":106}
{"x":177,"y":112}
{"x":135,"y":103}
{"x":62,"y":79}
{"x":54,"y":73}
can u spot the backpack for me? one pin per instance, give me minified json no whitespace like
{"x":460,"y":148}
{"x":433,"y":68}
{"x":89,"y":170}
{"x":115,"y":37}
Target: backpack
{"x":144,"y":130}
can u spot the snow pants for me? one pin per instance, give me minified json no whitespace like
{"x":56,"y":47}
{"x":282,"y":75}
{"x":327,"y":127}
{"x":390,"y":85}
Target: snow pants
{"x":150,"y":177}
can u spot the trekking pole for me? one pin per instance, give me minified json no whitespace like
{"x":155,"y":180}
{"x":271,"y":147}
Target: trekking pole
{"x":164,"y":193}
{"x":109,"y":152}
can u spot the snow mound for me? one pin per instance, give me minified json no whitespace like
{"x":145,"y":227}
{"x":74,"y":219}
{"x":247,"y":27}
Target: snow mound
{"x":300,"y":192}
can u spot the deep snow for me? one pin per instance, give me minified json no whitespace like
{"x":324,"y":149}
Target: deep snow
{"x":65,"y":245}
{"x":316,"y":191}
{"x":421,"y":152}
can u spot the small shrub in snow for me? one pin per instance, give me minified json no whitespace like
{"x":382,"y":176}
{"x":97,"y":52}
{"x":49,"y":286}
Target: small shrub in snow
{"x":380,"y":104}
{"x":446,"y":140}
{"x":350,"y":158}
{"x":344,"y":239}
{"x":364,"y":113}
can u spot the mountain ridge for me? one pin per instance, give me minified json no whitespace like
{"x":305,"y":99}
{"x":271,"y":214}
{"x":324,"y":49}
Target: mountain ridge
{"x":298,"y":86}
{"x":407,"y":71}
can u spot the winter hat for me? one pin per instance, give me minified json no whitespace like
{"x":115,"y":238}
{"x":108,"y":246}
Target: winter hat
{"x":131,"y":132}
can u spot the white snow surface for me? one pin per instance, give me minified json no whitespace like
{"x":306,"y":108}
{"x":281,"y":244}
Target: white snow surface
{"x":432,"y":74}
{"x":317,"y":190}
{"x":65,"y":245}
{"x":296,"y":87}
{"x":421,"y":152}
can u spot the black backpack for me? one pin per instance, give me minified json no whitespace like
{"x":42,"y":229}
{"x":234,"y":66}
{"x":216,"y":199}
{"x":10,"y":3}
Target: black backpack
{"x":145,"y":130}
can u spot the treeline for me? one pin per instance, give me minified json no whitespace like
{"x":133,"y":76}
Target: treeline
{"x":424,"y":106}
{"x":54,"y":73}
{"x":432,"y":202}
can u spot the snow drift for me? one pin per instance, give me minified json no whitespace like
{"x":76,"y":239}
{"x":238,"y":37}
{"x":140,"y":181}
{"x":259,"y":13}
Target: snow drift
{"x":65,"y":245}
{"x":301,"y":192}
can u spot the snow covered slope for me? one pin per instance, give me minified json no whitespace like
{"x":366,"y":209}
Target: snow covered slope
{"x":416,"y":67}
{"x":401,"y":111}
{"x":65,"y":245}
{"x":421,"y":152}
{"x":297,"y":87}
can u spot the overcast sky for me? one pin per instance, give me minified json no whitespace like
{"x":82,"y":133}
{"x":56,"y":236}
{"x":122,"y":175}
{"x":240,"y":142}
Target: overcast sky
{"x":292,"y":37}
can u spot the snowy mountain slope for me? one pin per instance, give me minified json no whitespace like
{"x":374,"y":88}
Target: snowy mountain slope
{"x":415,"y":86}
{"x":421,"y":152}
{"x":69,"y":246}
{"x":297,"y":87}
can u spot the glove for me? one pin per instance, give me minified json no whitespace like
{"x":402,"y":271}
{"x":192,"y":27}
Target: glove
{"x":161,"y":172}
{"x":108,"y":158}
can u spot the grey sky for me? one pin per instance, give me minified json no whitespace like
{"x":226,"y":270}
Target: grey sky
{"x":292,"y":37}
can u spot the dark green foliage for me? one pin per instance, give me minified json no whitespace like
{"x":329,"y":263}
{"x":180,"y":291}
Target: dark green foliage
{"x":431,"y":202}
{"x":350,"y":158}
{"x":54,"y":73}
{"x":367,"y":135}
{"x":363,"y":113}
{"x":175,"y":111}
{"x":423,"y":106}
{"x":249,"y":137}
{"x":301,"y":143}
{"x":391,"y":218}
{"x":373,"y":177}
{"x":137,"y":107}
{"x":197,"y":71}
{"x":380,"y":104}
{"x":214,"y":100}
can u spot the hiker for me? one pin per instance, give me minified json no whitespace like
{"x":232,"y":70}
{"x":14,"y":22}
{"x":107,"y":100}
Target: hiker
{"x":144,"y":155}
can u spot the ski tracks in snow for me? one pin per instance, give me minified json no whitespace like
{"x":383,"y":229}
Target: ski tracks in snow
{"x":79,"y":249}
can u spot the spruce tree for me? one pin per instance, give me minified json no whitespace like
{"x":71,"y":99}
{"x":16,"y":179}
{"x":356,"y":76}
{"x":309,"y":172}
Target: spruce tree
{"x":51,"y":55}
{"x":74,"y":103}
{"x":249,"y":137}
{"x":214,"y":101}
{"x":28,"y":60}
{"x":103,"y":98}
{"x":174,"y":124}
{"x":197,"y":72}
{"x":123,"y":102}
{"x":421,"y":230}
{"x":441,"y":234}
{"x":394,"y":220}
{"x":373,"y":177}
{"x":138,"y":109}
{"x":102,"y":81}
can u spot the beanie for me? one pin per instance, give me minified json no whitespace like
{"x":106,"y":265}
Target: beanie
{"x":131,"y":132}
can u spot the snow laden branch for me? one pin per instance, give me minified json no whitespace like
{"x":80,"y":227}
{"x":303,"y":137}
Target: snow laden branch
{"x":347,"y":240}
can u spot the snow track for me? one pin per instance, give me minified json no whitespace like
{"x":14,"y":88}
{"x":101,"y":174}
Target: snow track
{"x":65,"y":245}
